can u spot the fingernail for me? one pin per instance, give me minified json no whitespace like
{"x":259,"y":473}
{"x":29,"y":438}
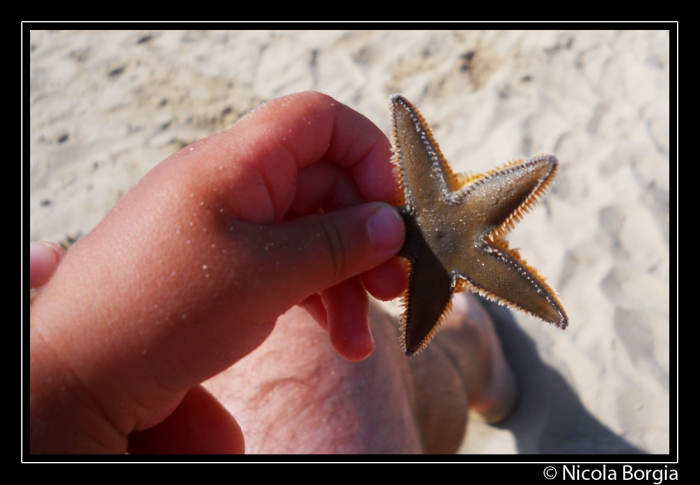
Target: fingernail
{"x":44,"y":258}
{"x":44,"y":251}
{"x":385,"y":229}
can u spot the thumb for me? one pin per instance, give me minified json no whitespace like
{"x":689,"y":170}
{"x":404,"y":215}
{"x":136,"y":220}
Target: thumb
{"x":308,"y":255}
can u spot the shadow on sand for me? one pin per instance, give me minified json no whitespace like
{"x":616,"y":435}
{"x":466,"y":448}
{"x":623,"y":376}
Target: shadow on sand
{"x":549,"y":417}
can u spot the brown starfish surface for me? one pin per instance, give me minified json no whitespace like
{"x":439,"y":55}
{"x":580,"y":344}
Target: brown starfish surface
{"x":455,"y":231}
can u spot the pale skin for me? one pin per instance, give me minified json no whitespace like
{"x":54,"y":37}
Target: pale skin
{"x":278,"y":223}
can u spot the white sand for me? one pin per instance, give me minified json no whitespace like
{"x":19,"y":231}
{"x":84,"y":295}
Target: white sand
{"x":108,"y":106}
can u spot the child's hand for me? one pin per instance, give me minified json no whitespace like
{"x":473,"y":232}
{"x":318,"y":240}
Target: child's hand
{"x":188,"y":273}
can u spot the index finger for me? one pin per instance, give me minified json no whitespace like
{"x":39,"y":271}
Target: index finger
{"x":255,"y":164}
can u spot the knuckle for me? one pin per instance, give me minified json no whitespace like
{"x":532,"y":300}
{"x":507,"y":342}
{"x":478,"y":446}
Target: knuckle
{"x":335,"y":246}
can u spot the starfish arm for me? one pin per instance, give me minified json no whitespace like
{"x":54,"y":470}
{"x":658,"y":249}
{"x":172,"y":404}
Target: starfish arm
{"x":424,"y":173}
{"x":501,"y":276}
{"x":498,"y":200}
{"x":429,"y":293}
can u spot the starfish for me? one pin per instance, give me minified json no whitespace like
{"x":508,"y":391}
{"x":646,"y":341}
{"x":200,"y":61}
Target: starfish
{"x":455,"y":230}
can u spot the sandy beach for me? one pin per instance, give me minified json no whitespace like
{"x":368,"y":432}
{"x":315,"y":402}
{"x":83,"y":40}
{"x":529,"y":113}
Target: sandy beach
{"x":106,"y":107}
